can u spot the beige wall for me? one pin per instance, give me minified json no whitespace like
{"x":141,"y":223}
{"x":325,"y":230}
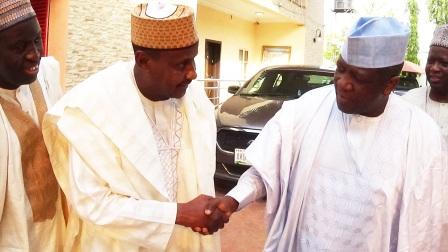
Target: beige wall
{"x":314,"y":20}
{"x":57,"y":34}
{"x":98,"y":35}
{"x":234,"y":34}
{"x":282,"y":34}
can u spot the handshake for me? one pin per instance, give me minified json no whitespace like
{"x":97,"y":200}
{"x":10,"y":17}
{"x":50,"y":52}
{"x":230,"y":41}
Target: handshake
{"x":206,"y":214}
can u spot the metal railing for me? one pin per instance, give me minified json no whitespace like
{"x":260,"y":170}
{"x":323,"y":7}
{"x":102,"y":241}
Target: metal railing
{"x":216,"y":89}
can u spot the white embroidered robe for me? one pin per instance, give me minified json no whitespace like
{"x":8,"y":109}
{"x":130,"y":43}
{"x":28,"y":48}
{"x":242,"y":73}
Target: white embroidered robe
{"x":105,"y":156}
{"x":394,"y":198}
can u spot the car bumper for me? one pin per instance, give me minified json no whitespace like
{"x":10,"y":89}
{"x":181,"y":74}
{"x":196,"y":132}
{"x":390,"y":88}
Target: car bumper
{"x":229,"y":139}
{"x":222,"y":173}
{"x":226,"y":169}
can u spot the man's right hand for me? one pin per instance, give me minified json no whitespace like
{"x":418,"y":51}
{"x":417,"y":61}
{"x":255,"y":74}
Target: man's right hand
{"x":193,"y":215}
{"x":226,"y":205}
{"x":219,"y":208}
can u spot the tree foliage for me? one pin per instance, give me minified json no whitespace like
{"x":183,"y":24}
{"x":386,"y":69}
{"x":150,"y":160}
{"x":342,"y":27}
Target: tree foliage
{"x":413,"y":47}
{"x":333,"y":45}
{"x":332,"y":52}
{"x":438,"y":11}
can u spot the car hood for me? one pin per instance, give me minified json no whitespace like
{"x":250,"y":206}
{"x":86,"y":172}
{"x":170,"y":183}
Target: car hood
{"x":247,"y":111}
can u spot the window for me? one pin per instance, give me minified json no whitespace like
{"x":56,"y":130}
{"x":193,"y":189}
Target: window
{"x":285,"y":83}
{"x":319,"y":80}
{"x":275,"y":55}
{"x":244,"y":58}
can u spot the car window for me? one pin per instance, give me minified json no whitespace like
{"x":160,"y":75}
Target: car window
{"x":319,"y":80}
{"x":256,"y":85}
{"x":265,"y":83}
{"x":285,"y":83}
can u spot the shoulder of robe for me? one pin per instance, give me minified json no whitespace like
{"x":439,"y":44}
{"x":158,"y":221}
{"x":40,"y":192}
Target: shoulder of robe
{"x":92,"y":89}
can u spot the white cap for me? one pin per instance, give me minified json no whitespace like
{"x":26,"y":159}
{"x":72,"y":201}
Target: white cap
{"x":376,"y":42}
{"x":440,"y":37}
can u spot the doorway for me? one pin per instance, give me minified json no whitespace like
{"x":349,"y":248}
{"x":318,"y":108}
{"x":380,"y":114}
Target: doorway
{"x":212,"y":68}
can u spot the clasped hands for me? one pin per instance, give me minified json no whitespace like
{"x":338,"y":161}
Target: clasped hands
{"x":206,"y":214}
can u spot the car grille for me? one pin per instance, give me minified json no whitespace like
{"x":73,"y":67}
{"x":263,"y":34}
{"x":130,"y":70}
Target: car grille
{"x":229,"y":139}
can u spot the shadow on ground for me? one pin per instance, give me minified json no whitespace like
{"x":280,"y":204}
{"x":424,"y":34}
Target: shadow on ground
{"x":246,"y":229}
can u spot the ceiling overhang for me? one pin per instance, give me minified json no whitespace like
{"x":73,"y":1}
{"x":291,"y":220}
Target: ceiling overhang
{"x":258,"y":11}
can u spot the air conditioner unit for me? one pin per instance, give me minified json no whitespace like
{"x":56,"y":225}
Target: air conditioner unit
{"x":343,"y":6}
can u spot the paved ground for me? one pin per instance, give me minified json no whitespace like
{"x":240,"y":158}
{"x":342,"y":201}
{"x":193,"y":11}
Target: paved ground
{"x":246,"y":230}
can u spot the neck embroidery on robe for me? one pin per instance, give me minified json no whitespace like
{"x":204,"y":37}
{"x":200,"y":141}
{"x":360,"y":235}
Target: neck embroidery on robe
{"x":169,"y":148}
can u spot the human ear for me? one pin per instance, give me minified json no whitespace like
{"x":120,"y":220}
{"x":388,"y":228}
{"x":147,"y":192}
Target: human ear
{"x":391,"y":84}
{"x":141,"y":59}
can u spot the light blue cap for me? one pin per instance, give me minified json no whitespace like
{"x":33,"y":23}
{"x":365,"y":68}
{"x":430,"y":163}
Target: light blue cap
{"x":376,"y":42}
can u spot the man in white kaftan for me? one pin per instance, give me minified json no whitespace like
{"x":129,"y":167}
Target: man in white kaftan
{"x":351,"y":167}
{"x":132,"y":147}
{"x":434,"y":99}
{"x":31,"y":217}
{"x":437,"y":110}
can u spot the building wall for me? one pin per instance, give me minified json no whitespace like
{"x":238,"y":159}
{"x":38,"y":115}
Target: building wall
{"x":234,"y":34}
{"x":314,"y":19}
{"x":282,"y":34}
{"x":98,"y":35}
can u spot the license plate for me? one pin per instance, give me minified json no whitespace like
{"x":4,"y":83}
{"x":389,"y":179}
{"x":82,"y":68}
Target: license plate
{"x":240,"y":157}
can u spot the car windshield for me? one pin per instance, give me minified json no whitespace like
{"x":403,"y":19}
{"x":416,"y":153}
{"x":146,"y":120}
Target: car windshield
{"x":285,"y":83}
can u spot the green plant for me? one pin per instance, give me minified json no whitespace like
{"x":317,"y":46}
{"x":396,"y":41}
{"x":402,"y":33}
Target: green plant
{"x":413,"y":47}
{"x":333,"y":45}
{"x":438,"y":11}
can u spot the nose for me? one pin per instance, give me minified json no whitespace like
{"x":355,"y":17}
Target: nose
{"x":33,"y":53}
{"x":343,"y":81}
{"x":191,"y":72}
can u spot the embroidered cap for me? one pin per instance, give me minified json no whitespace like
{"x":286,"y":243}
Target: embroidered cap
{"x":14,"y":11}
{"x":440,"y":37}
{"x":160,"y":25}
{"x":376,"y":42}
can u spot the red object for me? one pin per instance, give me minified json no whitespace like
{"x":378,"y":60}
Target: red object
{"x":42,"y":9}
{"x":412,"y":67}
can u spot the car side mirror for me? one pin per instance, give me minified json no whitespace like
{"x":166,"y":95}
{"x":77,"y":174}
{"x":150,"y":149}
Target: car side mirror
{"x":233,"y":89}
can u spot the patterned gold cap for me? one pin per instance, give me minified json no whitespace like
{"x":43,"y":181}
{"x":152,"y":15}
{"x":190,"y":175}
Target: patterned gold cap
{"x":14,"y":11}
{"x":440,"y":37}
{"x":163,"y":26}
